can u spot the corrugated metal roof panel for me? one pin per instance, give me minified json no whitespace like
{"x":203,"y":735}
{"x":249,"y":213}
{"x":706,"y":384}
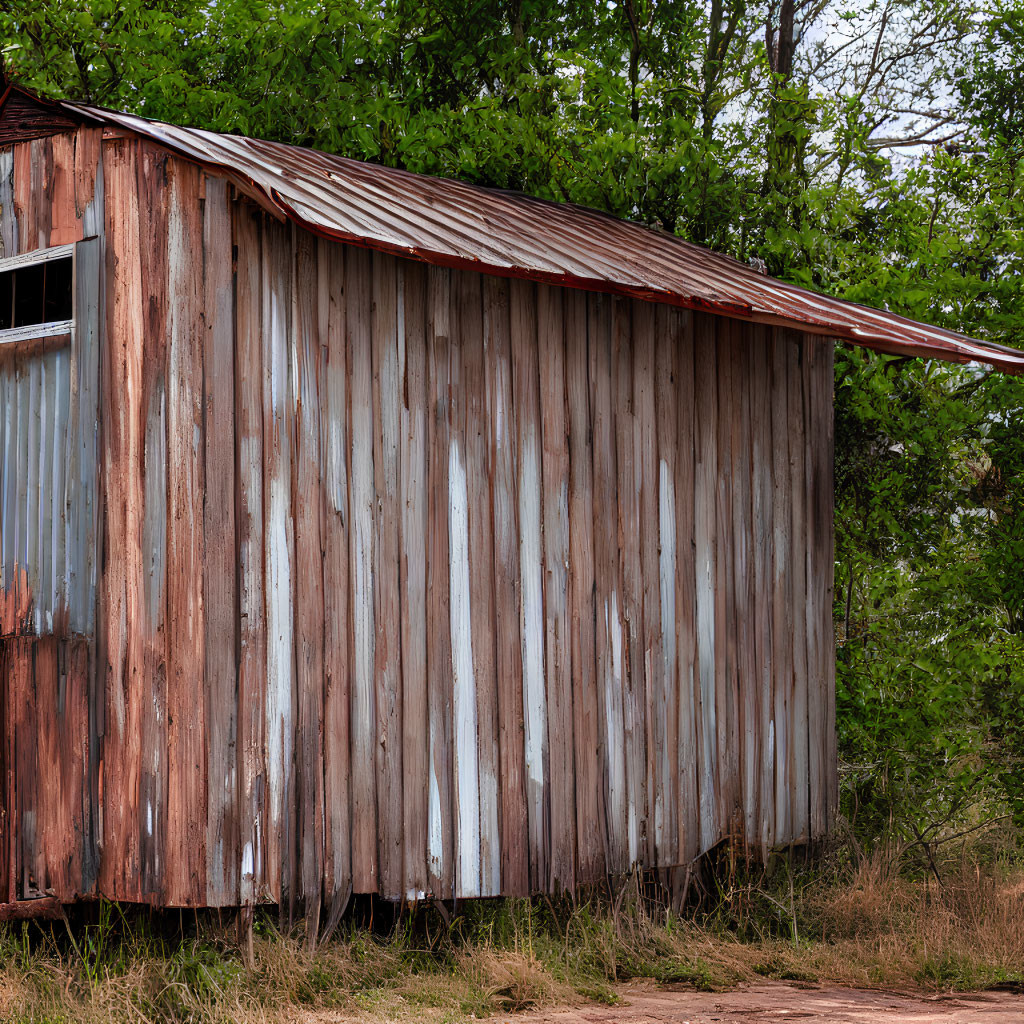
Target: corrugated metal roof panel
{"x":440,"y":220}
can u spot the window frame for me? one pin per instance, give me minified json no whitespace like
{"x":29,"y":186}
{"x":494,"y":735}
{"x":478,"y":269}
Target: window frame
{"x":54,"y":331}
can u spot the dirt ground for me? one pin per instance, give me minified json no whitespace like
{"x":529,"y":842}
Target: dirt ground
{"x":779,"y":1002}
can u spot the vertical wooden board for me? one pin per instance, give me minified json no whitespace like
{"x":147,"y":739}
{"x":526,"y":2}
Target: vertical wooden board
{"x":153,"y":233}
{"x":32,"y":171}
{"x":590,"y":860}
{"x":88,"y":183}
{"x":608,"y":626}
{"x":14,"y":701}
{"x":121,"y":657}
{"x":478,"y":428}
{"x":629,"y":484}
{"x":413,"y":481}
{"x":666,"y":417}
{"x":523,"y":316}
{"x":185,"y":844}
{"x":80,"y":499}
{"x":515,"y":880}
{"x":26,"y":781}
{"x":744,"y":583}
{"x":252,"y":637}
{"x":706,"y":574}
{"x":725,"y":594}
{"x":465,"y":738}
{"x":557,"y":641}
{"x":8,"y":219}
{"x":799,"y":732}
{"x":810,"y":362}
{"x":65,"y":225}
{"x":54,"y":818}
{"x":761,"y":510}
{"x":309,"y":585}
{"x":60,"y":682}
{"x":40,"y":790}
{"x":8,"y":718}
{"x":82,"y":670}
{"x":646,"y":447}
{"x":219,"y":578}
{"x":358,"y":343}
{"x":278,"y":552}
{"x":821,"y":644}
{"x":42,"y":176}
{"x":782,"y":587}
{"x":387,"y":383}
{"x":35,"y":797}
{"x":337,"y":620}
{"x":688,"y":692}
{"x":827,"y":485}
{"x":21,"y":197}
{"x":440,"y":809}
{"x":74,"y":848}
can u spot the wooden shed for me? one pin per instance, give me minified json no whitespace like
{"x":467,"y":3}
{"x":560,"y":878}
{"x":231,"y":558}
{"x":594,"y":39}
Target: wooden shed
{"x":365,"y":532}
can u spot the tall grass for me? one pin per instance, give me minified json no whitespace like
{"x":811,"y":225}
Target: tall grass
{"x":863,"y":923}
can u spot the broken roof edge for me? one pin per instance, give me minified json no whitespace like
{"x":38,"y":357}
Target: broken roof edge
{"x":616,"y":256}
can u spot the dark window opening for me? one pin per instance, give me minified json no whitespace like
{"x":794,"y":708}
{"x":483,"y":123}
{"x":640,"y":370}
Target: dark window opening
{"x":39,"y":293}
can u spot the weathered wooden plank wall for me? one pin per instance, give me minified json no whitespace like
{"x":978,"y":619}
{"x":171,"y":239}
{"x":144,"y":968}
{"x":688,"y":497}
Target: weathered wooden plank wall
{"x":416,"y":581}
{"x":51,"y":193}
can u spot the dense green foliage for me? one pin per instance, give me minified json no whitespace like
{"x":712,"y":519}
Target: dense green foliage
{"x":872,"y":150}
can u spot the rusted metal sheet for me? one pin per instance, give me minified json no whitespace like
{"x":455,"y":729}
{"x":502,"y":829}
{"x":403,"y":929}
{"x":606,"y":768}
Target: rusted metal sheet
{"x":460,"y":225}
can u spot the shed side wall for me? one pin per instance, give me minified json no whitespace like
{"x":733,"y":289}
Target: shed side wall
{"x":418,"y":580}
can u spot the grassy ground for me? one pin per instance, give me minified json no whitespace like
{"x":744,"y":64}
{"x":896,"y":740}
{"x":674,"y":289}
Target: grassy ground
{"x":860,"y":924}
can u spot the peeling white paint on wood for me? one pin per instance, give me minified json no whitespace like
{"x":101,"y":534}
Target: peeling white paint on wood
{"x":667,"y":573}
{"x":615,"y":741}
{"x":435,"y":840}
{"x":532,"y":623}
{"x":467,"y":778}
{"x":279,"y":547}
{"x":705,"y":489}
{"x":361,"y":554}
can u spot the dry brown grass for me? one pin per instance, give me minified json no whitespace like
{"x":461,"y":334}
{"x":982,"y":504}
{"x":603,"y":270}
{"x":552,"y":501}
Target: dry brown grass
{"x":877,"y":928}
{"x":868,"y":926}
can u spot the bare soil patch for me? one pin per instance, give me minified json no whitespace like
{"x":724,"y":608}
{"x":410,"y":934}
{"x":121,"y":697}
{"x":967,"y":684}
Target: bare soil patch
{"x":776,"y":1002}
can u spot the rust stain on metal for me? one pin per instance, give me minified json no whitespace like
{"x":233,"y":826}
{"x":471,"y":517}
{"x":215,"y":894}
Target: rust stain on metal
{"x":16,"y":604}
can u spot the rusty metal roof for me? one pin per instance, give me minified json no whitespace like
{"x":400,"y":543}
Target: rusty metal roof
{"x":449,"y":222}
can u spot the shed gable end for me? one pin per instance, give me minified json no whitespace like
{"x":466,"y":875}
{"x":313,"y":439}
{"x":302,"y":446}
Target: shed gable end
{"x":23,"y":118}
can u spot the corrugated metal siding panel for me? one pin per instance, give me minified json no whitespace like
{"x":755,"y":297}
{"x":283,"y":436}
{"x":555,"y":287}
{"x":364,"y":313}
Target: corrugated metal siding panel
{"x":452,"y":223}
{"x":48,"y":479}
{"x":34,"y":442}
